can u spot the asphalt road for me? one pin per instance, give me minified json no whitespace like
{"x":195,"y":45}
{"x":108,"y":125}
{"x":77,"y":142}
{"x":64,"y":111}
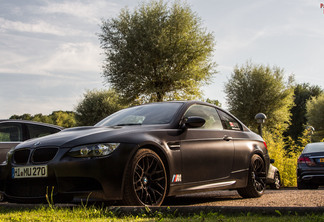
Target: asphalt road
{"x":286,"y":197}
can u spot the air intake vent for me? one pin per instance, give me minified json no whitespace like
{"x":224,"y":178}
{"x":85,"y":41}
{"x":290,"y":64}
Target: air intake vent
{"x":21,"y":156}
{"x":44,"y":155}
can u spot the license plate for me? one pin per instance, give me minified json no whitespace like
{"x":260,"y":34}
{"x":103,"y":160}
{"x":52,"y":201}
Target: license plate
{"x":321,"y":160}
{"x":29,"y":171}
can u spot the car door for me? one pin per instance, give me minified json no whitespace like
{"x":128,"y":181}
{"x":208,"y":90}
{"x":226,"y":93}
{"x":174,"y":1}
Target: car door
{"x":11,"y":134}
{"x":207,"y":152}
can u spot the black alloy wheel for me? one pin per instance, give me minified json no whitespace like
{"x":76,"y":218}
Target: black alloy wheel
{"x":256,"y":179}
{"x":146,"y":180}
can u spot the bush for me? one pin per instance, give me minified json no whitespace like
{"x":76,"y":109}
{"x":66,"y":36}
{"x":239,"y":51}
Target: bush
{"x":285,"y":161}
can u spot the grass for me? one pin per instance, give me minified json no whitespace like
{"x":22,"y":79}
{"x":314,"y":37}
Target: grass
{"x":92,"y":213}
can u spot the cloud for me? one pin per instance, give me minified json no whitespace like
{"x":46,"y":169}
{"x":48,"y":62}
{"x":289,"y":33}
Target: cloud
{"x":89,"y":11}
{"x":38,"y":27}
{"x":74,"y":58}
{"x":69,"y":60}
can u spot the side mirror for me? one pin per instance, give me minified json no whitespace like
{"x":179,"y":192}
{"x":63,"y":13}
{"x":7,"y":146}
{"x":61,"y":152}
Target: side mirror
{"x":194,"y":122}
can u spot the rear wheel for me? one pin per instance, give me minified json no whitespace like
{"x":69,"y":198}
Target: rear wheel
{"x":256,"y":179}
{"x":145,"y":180}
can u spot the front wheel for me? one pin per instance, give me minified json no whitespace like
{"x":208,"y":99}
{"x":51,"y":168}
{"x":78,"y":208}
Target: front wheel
{"x":145,"y":180}
{"x":256,"y":179}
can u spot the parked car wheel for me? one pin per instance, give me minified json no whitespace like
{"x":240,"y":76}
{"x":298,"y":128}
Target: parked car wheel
{"x":277,"y":182}
{"x":256,"y":180}
{"x":146,"y":180}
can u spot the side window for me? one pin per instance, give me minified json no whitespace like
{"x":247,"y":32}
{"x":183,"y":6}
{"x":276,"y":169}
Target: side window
{"x":10,"y":132}
{"x":229,"y":122}
{"x":208,"y":113}
{"x":39,"y":131}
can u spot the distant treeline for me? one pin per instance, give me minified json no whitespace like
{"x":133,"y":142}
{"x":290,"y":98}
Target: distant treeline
{"x":61,"y":118}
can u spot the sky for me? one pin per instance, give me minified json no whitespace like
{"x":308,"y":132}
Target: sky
{"x":50,"y":53}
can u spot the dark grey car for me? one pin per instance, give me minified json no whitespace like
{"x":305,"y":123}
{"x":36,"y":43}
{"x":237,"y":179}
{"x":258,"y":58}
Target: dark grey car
{"x":141,"y":155}
{"x":13,"y":132}
{"x":310,"y":166}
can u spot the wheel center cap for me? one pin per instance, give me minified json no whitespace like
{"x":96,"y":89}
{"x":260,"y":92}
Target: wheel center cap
{"x":145,"y":180}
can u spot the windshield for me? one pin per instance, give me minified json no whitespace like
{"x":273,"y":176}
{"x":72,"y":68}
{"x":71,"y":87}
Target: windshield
{"x":155,"y":113}
{"x":314,"y":147}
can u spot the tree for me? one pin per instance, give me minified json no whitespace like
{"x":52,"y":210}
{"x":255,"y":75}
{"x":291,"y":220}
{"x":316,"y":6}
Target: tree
{"x":65,"y":119}
{"x":157,"y":53}
{"x":315,"y":117}
{"x":257,"y":88}
{"x":25,"y":116}
{"x":61,"y":118}
{"x":303,"y":92}
{"x":96,"y":105}
{"x":214,"y":102}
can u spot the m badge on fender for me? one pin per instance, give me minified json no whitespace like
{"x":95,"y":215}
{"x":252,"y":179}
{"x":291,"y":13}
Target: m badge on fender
{"x":176,"y":178}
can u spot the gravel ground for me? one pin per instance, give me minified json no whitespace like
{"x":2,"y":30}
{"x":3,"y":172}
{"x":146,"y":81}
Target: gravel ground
{"x":286,"y":197}
{"x":271,"y":198}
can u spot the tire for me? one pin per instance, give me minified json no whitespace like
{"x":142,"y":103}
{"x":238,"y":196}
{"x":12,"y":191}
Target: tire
{"x":277,"y":182}
{"x":145,"y":180}
{"x":256,"y":179}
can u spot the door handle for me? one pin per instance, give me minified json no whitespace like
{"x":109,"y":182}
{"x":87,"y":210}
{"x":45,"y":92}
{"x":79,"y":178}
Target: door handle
{"x":227,"y":138}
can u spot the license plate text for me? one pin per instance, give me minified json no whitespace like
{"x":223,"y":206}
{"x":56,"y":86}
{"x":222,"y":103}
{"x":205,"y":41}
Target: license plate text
{"x":29,"y":171}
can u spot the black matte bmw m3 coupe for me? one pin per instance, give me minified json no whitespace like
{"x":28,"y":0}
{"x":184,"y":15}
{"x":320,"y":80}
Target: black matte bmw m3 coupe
{"x":141,"y":155}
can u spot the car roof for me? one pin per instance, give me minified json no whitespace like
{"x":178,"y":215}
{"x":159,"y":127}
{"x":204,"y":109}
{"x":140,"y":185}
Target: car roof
{"x":187,"y":102}
{"x":30,"y":122}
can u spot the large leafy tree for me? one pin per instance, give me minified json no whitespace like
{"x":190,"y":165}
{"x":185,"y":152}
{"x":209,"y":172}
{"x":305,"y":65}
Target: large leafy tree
{"x":96,"y":105}
{"x":303,"y":92}
{"x":157,"y":52}
{"x":253,"y":88}
{"x":315,"y":116}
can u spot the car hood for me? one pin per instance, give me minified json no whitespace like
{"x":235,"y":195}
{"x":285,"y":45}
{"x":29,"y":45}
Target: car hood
{"x":82,"y":135}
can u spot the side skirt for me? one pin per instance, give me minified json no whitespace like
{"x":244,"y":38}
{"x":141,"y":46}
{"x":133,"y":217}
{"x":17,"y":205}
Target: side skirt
{"x":238,"y":179}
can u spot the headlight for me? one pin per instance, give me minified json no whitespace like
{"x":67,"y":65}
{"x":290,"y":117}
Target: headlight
{"x":95,"y":150}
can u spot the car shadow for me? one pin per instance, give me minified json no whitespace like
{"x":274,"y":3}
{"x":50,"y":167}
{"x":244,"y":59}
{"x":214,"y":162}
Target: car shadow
{"x":201,"y":198}
{"x":181,"y":200}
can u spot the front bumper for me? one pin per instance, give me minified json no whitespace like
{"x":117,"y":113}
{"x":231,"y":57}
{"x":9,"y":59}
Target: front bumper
{"x":310,"y":174}
{"x":67,"y":176}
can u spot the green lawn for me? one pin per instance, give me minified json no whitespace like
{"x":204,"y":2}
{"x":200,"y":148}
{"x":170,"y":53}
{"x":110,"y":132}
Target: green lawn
{"x":104,"y":214}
